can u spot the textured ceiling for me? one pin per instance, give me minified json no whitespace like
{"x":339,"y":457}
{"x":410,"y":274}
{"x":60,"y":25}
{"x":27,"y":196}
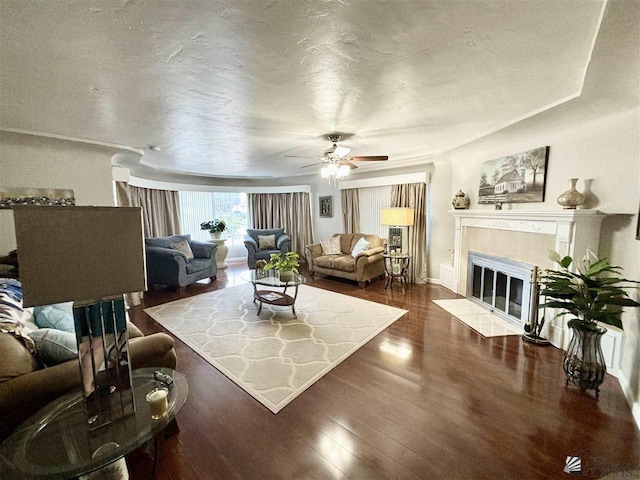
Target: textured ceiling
{"x":230,"y":88}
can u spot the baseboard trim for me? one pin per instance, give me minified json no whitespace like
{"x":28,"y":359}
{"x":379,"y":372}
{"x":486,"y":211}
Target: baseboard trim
{"x":556,"y":336}
{"x":633,"y":403}
{"x":435,"y":281}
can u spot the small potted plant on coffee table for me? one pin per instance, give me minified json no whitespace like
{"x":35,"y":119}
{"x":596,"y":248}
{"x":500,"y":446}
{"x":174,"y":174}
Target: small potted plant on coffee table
{"x":594,"y":294}
{"x":215,"y":227}
{"x":285,"y":265}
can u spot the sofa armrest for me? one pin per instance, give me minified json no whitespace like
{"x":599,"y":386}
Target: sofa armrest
{"x":203,"y":249}
{"x":366,"y":262}
{"x":155,"y":350}
{"x":314,"y":250}
{"x":311,"y":252}
{"x":283,"y":242}
{"x":23,"y":396}
{"x":250,"y":243}
{"x":371,"y":252}
{"x":164,"y":265}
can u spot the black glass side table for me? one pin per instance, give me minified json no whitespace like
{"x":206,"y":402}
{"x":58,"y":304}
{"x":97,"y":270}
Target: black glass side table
{"x":397,"y":267}
{"x":55,"y":442}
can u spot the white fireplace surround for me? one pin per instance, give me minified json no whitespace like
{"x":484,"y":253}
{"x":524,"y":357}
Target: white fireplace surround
{"x":574,"y":232}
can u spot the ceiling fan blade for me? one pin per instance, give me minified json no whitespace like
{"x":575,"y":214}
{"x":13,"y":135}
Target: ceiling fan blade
{"x":297,"y":156}
{"x":380,"y":158}
{"x":349,"y":164}
{"x":313,"y":164}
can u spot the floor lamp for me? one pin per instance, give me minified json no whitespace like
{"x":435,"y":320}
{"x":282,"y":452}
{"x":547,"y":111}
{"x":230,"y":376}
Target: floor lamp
{"x":399,"y":219}
{"x":92,"y":256}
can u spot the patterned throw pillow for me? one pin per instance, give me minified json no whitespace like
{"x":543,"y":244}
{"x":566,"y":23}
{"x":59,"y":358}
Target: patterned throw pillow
{"x":360,"y":246}
{"x":184,"y":247}
{"x":331,"y":246}
{"x":12,"y":313}
{"x":11,"y":301}
{"x":266,"y":242}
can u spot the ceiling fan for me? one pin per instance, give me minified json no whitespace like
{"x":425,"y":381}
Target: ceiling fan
{"x":337,"y":155}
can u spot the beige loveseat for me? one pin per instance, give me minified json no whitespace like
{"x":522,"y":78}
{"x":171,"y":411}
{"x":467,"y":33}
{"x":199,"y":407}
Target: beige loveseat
{"x":367,"y":265}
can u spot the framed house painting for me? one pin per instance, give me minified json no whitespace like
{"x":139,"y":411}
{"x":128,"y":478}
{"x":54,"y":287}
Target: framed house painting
{"x":326,"y":207}
{"x":518,"y":178}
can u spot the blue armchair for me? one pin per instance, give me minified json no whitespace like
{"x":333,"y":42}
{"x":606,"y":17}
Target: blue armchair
{"x":283,"y":244}
{"x":166,"y":266}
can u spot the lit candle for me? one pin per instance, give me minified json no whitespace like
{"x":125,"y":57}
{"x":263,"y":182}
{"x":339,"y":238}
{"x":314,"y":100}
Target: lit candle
{"x":158,"y":404}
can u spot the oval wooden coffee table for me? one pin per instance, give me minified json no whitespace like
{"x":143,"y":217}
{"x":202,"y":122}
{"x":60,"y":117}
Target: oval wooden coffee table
{"x":272,"y":278}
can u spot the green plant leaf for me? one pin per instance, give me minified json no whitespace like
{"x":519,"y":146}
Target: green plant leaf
{"x":566,"y":261}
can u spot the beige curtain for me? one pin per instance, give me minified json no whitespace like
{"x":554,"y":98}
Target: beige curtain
{"x":123,"y":199}
{"x":350,"y":210}
{"x":414,"y":195}
{"x":289,"y":210}
{"x":160,"y":209}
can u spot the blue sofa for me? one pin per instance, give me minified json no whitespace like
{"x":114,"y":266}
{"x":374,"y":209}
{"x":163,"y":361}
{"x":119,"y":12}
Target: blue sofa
{"x":166,"y":266}
{"x":283,"y":244}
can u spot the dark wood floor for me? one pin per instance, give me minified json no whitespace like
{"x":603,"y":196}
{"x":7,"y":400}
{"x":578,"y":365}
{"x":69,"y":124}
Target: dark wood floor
{"x":461,"y":406}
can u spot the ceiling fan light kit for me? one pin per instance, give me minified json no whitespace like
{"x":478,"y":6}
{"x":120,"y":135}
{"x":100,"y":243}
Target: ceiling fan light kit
{"x":336,"y":165}
{"x":334,"y":172}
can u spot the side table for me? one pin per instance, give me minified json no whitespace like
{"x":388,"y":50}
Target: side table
{"x":397,"y":267}
{"x":221,"y":252}
{"x":55,"y":442}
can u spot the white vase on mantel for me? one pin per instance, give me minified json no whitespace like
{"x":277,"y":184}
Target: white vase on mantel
{"x":215,"y":235}
{"x":572,"y":197}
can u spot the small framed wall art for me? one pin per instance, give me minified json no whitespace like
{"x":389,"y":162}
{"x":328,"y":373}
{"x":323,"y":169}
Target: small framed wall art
{"x":326,"y":206}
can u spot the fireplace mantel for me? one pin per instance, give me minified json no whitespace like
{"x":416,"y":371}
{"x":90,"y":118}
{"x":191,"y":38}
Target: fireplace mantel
{"x":574,"y":231}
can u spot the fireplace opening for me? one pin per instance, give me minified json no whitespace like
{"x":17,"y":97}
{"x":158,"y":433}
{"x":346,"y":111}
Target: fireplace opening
{"x":501,"y":285}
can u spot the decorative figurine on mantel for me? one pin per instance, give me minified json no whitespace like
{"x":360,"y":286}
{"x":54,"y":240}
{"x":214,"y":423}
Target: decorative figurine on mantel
{"x":460,"y":201}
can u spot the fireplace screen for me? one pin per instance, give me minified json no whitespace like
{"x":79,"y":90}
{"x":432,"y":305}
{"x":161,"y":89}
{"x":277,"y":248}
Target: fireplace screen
{"x":501,"y":285}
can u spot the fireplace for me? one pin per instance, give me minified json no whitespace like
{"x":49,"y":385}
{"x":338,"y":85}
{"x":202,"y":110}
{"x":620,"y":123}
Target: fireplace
{"x":523,"y":236}
{"x":501,"y":285}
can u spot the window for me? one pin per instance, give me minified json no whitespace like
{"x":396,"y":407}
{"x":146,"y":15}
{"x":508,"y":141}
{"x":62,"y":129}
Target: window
{"x":199,"y":207}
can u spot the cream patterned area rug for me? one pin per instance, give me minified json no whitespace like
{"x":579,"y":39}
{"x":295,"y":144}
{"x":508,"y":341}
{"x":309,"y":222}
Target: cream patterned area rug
{"x":274,"y":357}
{"x":482,"y":321}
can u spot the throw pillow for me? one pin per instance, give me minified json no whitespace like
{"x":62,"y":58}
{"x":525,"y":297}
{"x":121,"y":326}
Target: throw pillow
{"x":184,"y":247}
{"x":266,"y":242}
{"x":331,"y":246}
{"x":12,"y":315}
{"x":11,"y":310}
{"x":58,"y":317}
{"x":54,"y":346}
{"x":360,"y":246}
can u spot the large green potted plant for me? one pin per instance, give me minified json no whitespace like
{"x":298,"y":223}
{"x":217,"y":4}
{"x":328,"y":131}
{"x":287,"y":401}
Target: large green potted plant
{"x":286,"y":264}
{"x":215,"y":227}
{"x":593,"y":294}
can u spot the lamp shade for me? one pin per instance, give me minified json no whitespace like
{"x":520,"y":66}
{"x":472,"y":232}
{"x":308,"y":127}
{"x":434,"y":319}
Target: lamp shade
{"x":400,"y":216}
{"x":79,"y":253}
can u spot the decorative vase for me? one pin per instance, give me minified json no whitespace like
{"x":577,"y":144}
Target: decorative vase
{"x":460,"y":201}
{"x":584,"y":364}
{"x":286,"y":275}
{"x":572,"y":197}
{"x":215,"y":235}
